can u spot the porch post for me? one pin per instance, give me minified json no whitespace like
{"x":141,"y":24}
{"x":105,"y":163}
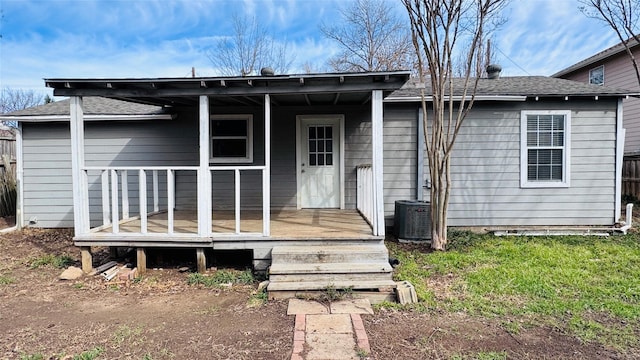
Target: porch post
{"x":266,"y":174}
{"x":377,"y":163}
{"x":620,"y":137}
{"x":204,"y":175}
{"x":19,"y":178}
{"x":78,"y":176}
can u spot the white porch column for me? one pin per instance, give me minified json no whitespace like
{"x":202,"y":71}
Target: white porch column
{"x":78,"y":176}
{"x":204,"y":175}
{"x":377,"y":163}
{"x":620,"y":137}
{"x":266,"y":174}
{"x":19,"y":178}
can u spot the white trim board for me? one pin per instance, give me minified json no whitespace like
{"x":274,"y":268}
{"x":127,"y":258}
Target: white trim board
{"x":53,"y":118}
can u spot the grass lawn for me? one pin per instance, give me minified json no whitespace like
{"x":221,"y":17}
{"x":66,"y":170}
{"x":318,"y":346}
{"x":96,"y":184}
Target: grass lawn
{"x":586,"y":286}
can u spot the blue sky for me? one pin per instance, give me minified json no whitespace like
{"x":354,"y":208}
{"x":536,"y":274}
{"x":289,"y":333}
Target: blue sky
{"x":165,"y":38}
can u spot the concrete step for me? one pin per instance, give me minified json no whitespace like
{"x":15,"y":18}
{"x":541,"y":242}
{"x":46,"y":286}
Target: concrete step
{"x":330,"y":254}
{"x":320,"y":285}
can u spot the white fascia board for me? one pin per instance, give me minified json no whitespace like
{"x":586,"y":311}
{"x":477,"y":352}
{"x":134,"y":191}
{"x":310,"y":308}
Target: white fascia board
{"x":51,"y":118}
{"x":392,"y":99}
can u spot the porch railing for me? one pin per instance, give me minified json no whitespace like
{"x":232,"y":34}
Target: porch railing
{"x":364,"y":194}
{"x":156,"y":194}
{"x":237,"y":170}
{"x":115,"y":196}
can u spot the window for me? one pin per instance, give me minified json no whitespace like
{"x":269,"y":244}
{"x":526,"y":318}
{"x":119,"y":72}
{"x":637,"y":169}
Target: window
{"x":596,"y":75}
{"x":232,"y":138}
{"x":545,"y":146}
{"x":320,"y":145}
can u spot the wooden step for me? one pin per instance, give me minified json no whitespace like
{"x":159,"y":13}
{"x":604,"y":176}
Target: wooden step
{"x":319,"y":285}
{"x":324,"y":278}
{"x":365,"y":275}
{"x":329,"y":254}
{"x":330,"y":268}
{"x":340,"y":266}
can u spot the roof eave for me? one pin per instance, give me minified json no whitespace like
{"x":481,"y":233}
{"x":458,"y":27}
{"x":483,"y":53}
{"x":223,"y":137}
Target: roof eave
{"x":253,"y":85}
{"x":392,"y":99}
{"x":105,"y":117}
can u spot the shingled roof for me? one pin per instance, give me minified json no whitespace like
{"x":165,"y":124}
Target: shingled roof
{"x":529,"y":86}
{"x":92,"y":106}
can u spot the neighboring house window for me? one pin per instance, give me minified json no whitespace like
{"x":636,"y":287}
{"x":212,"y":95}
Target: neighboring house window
{"x":232,"y":138}
{"x":596,"y":75}
{"x":545,"y":145}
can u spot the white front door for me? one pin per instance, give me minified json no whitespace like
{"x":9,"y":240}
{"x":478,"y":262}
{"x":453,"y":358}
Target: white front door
{"x":319,"y":162}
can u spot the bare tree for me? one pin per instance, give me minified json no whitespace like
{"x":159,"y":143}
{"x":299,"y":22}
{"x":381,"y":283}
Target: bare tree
{"x":371,"y":38}
{"x":248,"y":50}
{"x":442,"y":29}
{"x":17,"y":99}
{"x":623,"y":16}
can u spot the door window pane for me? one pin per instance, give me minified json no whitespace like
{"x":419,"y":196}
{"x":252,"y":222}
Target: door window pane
{"x":320,"y":149}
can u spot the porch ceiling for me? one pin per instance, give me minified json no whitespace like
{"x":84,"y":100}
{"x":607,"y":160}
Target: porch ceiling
{"x":307,"y":89}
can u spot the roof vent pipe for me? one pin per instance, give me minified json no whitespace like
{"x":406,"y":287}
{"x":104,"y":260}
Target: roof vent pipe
{"x":493,"y":71}
{"x":266,"y":71}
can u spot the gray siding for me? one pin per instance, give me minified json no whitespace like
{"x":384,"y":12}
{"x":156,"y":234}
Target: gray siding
{"x":486,"y":169}
{"x":47,"y":161}
{"x":47,"y":174}
{"x":400,"y":154}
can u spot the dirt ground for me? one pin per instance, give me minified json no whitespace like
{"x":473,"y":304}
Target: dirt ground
{"x":162,"y":317}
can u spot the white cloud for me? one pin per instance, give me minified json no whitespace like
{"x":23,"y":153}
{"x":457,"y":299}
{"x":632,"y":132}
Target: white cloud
{"x":542,"y":37}
{"x":166,"y":38}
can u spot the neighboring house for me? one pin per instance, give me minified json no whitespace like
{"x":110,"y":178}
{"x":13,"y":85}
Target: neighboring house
{"x":613,"y":67}
{"x":278,"y":165}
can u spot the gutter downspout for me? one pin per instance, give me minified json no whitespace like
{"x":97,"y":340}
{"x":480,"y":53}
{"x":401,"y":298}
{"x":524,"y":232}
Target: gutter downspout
{"x":19,"y":178}
{"x":629,"y":221}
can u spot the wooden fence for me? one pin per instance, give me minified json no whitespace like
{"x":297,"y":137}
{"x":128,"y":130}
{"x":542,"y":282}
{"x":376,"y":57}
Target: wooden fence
{"x":631,"y":177}
{"x":7,"y":147}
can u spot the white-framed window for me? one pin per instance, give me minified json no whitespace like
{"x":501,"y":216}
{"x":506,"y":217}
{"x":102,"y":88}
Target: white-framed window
{"x":231,"y":138}
{"x":545,"y":148}
{"x":596,"y":75}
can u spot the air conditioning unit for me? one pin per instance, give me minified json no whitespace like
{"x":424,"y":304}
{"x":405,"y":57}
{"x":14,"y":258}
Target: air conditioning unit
{"x":412,"y":221}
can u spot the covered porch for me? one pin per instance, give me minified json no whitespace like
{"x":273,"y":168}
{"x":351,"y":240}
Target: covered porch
{"x":304,"y":224}
{"x":177,"y":203}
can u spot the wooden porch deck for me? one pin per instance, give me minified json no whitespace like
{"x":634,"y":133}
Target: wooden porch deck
{"x":285,"y":224}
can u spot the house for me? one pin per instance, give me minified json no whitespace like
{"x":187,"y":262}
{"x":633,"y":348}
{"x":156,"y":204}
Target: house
{"x":613,"y":67}
{"x":303,"y":170}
